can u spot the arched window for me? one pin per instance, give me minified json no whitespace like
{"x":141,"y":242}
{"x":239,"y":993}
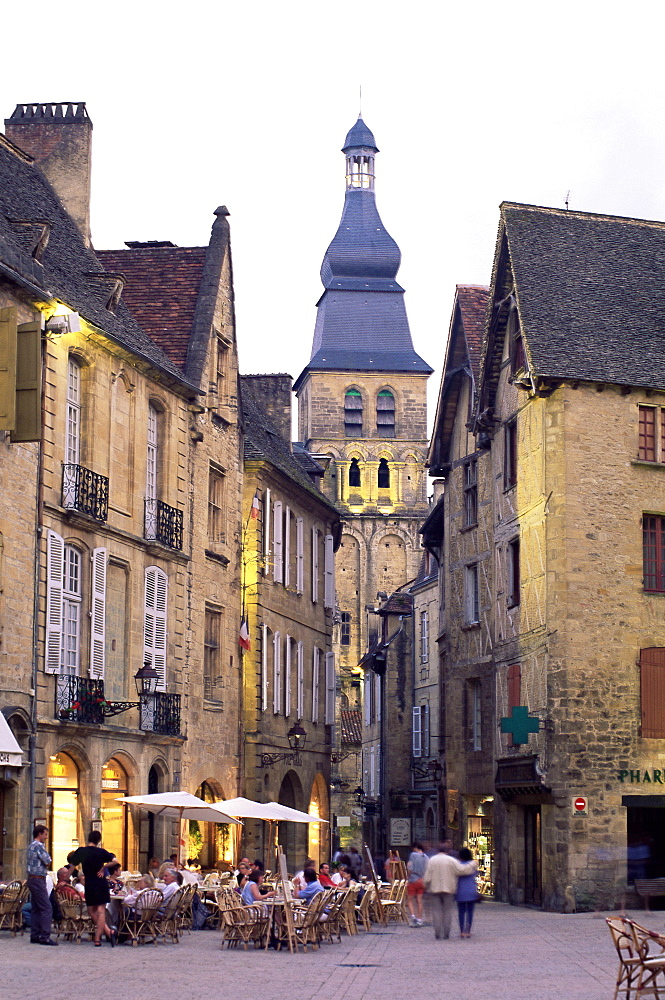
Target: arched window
{"x":385,"y":414}
{"x":354,"y":473}
{"x":353,"y":413}
{"x":383,"y":478}
{"x":153,"y":454}
{"x":71,"y":611}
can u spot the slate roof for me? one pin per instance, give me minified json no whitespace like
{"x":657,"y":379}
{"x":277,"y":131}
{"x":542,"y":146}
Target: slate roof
{"x":590,"y":293}
{"x":262,"y":442}
{"x":472,"y":301}
{"x":351,"y":730}
{"x":69,"y":270}
{"x":161,"y":291}
{"x":399,"y":603}
{"x":359,"y":135}
{"x":424,"y":577}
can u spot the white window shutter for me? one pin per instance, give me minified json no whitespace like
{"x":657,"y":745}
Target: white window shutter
{"x":300,"y":706}
{"x":266,"y":531}
{"x":55,"y":567}
{"x":371,"y":771}
{"x":330,"y":689}
{"x":277,"y":548}
{"x":425,"y":729}
{"x":315,"y":565}
{"x":417,"y":742}
{"x":98,"y":616}
{"x":300,"y":555}
{"x":287,"y":547}
{"x":287,"y":677}
{"x":156,"y":603}
{"x":264,"y":668}
{"x":315,"y":684}
{"x":277,"y":672}
{"x":329,"y":573}
{"x":377,"y":696}
{"x":367,"y":699}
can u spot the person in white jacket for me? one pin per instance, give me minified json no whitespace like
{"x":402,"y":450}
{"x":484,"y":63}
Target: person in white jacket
{"x":440,"y":880}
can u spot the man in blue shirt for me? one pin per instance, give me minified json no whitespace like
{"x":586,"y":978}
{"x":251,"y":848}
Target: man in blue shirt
{"x":312,"y":886}
{"x":38,"y":865}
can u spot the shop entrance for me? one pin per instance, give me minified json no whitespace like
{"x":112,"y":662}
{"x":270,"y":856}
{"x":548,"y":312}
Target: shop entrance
{"x":480,"y":838}
{"x":113,"y":816}
{"x":62,"y":781}
{"x":532,"y":855}
{"x":645,"y":836}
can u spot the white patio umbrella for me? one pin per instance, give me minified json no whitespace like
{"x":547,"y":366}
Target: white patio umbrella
{"x":271,"y":812}
{"x":180,"y":806}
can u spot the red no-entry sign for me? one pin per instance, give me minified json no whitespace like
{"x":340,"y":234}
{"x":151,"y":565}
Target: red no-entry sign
{"x":580,"y":806}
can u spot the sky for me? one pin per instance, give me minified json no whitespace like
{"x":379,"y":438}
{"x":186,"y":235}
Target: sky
{"x":247,"y":105}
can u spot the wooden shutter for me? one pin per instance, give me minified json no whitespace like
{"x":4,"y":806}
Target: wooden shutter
{"x":416,"y":743}
{"x":329,"y":573}
{"x":300,"y":682}
{"x":156,"y":598}
{"x":28,"y":425}
{"x":315,"y":565}
{"x":425,"y":729}
{"x":514,"y":679}
{"x":315,"y":683}
{"x":264,"y":668}
{"x":330,"y":689}
{"x":266,"y":532}
{"x":55,"y":567}
{"x":277,"y":545}
{"x":98,"y":614}
{"x":300,"y":555}
{"x":652,"y":692}
{"x":287,"y":677}
{"x":277,"y":672}
{"x":287,"y":546}
{"x":8,"y":369}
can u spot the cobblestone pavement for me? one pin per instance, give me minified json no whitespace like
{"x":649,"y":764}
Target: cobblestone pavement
{"x":515,"y":953}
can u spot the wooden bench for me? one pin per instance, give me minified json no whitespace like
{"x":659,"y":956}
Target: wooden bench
{"x":648,"y":887}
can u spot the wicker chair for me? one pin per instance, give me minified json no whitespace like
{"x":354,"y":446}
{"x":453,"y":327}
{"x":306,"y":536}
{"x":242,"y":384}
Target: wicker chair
{"x":624,"y":942}
{"x":365,"y":909}
{"x":166,"y":921}
{"x":12,"y":901}
{"x":76,"y":920}
{"x":140,"y":921}
{"x":649,"y":948}
{"x":245,"y":924}
{"x":349,"y":919}
{"x":330,"y":923}
{"x":306,"y":923}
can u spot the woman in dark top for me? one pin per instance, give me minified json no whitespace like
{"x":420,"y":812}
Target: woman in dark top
{"x":92,"y":859}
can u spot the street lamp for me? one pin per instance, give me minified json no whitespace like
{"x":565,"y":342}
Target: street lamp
{"x":297,"y":738}
{"x":146,"y":680}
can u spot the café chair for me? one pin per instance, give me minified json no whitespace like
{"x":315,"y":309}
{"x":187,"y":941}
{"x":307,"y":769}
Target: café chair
{"x":12,"y":901}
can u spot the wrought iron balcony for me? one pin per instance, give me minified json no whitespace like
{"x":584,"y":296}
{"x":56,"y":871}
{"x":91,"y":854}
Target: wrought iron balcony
{"x":85,"y":491}
{"x":79,"y":699}
{"x":160,"y":713}
{"x":163,"y":523}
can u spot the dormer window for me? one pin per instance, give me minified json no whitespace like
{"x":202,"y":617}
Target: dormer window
{"x":385,"y":414}
{"x":353,"y":413}
{"x":517,"y":352}
{"x":360,"y":171}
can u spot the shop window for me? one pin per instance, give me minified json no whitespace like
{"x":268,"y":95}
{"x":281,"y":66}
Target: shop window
{"x":113,"y":813}
{"x":62,"y":783}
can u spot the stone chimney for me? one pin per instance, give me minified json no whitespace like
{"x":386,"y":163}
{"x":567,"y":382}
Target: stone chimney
{"x":59,"y":138}
{"x":273,"y":394}
{"x":438,"y":486}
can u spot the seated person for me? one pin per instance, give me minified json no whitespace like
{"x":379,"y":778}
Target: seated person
{"x":247,"y":864}
{"x":258,"y":866}
{"x":193,"y":865}
{"x":242,"y":874}
{"x":78,"y":878}
{"x":312,"y":886}
{"x":325,"y":878}
{"x":298,"y":878}
{"x":165,"y":867}
{"x":112,"y":872}
{"x":251,"y":894}
{"x":173,"y":880}
{"x":133,"y":899}
{"x":154,"y":866}
{"x":341,"y":877}
{"x":63,"y":887}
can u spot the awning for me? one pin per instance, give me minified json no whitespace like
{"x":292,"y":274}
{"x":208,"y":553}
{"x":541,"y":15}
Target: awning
{"x":10,"y":752}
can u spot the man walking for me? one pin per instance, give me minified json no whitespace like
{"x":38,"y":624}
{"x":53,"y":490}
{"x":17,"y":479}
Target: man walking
{"x":38,"y":864}
{"x":440,"y":880}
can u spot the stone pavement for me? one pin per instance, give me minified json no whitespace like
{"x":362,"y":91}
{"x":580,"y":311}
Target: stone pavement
{"x":515,"y":954}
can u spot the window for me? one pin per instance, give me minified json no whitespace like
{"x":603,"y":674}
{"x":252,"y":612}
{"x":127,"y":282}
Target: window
{"x":471,"y":493}
{"x":510,"y":455}
{"x":653,"y":546}
{"x":385,"y":414}
{"x":353,"y":413}
{"x":330,"y":689}
{"x":154,"y":622}
{"x":513,"y":573}
{"x":328,"y":572}
{"x":152,"y":456}
{"x":221,"y":361}
{"x":300,"y":681}
{"x":278,"y":543}
{"x":73,"y":432}
{"x":265,"y":632}
{"x":216,"y":520}
{"x":212,"y":655}
{"x":471,"y":595}
{"x":266,"y":531}
{"x":315,"y":564}
{"x":277,"y":673}
{"x":420,"y":731}
{"x":652,"y":692}
{"x":71,"y":612}
{"x":345,"y":629}
{"x":287,"y":547}
{"x":424,"y":636}
{"x":300,"y":555}
{"x":287,"y":675}
{"x":64,"y":609}
{"x":316,"y":669}
{"x":383,"y":475}
{"x":354,"y":474}
{"x":517,"y":353}
{"x":651,"y":439}
{"x":476,"y":714}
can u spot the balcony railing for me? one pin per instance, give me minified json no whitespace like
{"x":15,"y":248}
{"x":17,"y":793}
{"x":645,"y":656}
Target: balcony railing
{"x":85,"y":491}
{"x":163,"y":523}
{"x":160,"y":713}
{"x":80,"y":699}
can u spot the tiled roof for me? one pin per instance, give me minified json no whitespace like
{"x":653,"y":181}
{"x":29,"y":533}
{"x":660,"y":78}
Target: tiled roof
{"x":590,"y":293}
{"x":472,"y":301}
{"x":399,"y":603}
{"x":359,"y":135}
{"x":69,"y":270}
{"x":351,"y":725}
{"x":161,"y":291}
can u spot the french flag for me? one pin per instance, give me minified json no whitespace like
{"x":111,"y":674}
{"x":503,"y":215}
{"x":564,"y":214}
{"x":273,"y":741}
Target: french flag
{"x":243,"y":638}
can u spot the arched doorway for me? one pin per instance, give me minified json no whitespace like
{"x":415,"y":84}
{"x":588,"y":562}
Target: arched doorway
{"x":113,"y":813}
{"x":317,"y":835}
{"x":62,"y":782}
{"x":291,"y":836}
{"x":210,"y":843}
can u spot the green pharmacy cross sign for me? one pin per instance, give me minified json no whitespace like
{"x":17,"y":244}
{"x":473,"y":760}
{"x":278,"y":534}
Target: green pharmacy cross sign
{"x":520,"y":724}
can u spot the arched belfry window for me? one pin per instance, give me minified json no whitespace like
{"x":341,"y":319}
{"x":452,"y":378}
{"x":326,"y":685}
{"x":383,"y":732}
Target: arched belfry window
{"x":385,"y":414}
{"x":383,"y":478}
{"x":354,"y":473}
{"x":353,"y":413}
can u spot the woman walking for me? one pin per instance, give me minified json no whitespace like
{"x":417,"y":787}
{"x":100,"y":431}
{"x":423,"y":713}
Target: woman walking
{"x":466,"y":896}
{"x":92,"y":859}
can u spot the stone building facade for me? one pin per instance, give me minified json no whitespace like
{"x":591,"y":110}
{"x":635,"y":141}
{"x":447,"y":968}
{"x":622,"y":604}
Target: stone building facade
{"x":362,"y":407}
{"x":291,"y":532}
{"x":574,"y":714}
{"x":106,"y":463}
